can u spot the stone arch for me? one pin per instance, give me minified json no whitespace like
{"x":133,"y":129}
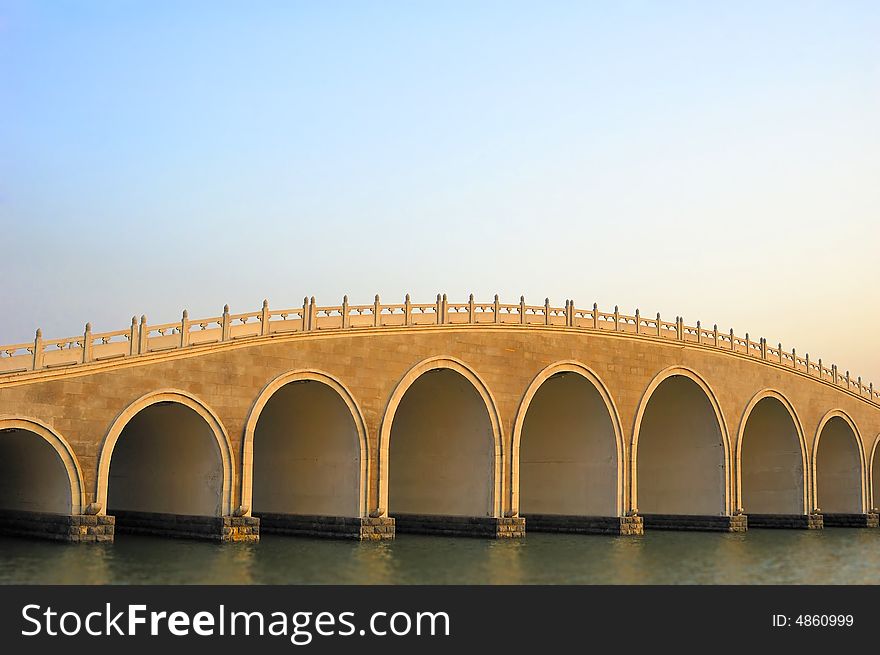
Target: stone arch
{"x":874,"y":475}
{"x":171,"y":397}
{"x":840,"y":483}
{"x":267,"y":393}
{"x":67,"y":458}
{"x":603,"y":396}
{"x":686,"y":501}
{"x":456,"y":366}
{"x":777,"y":415}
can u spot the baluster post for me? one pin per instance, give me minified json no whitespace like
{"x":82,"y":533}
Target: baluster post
{"x":305,"y":315}
{"x":439,"y":310}
{"x":807,"y":362}
{"x":699,"y":332}
{"x":638,"y":321}
{"x":779,"y":347}
{"x":346,"y":319}
{"x":595,"y":316}
{"x":377,"y":311}
{"x":616,"y":318}
{"x":522,"y":310}
{"x":143,"y":335}
{"x":133,"y":337}
{"x":546,"y":311}
{"x":37,"y":360}
{"x":659,"y":332}
{"x":225,"y":324}
{"x":497,"y":309}
{"x":793,"y":358}
{"x":184,"y":328}
{"x":407,"y":311}
{"x":763,"y":348}
{"x":847,"y":380}
{"x":834,"y":373}
{"x":264,"y":318}
{"x":445,"y":309}
{"x":471,"y":309}
{"x":313,"y":314}
{"x":87,"y":344}
{"x":715,"y":334}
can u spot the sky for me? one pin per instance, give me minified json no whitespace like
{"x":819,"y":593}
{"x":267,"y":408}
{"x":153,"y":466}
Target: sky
{"x":718,"y":161}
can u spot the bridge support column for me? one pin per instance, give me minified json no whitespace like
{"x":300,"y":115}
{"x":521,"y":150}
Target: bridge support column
{"x":78,"y":528}
{"x":508,"y":527}
{"x":735,"y":523}
{"x":184,"y":526}
{"x":334,"y":527}
{"x":789,"y":521}
{"x":869,"y":520}
{"x":620,"y":525}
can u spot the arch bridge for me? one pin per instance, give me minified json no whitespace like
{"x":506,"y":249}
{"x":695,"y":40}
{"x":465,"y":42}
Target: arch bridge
{"x":470,"y":418}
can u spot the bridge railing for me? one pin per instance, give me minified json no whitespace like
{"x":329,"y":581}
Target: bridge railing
{"x":141,"y":338}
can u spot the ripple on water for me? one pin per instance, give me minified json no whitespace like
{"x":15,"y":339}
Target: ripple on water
{"x":832,"y":556}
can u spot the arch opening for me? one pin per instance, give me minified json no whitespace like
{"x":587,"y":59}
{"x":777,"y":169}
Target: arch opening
{"x":838,"y":469}
{"x":33,"y":477}
{"x":306,"y":453}
{"x":568,"y":450}
{"x":441,"y":450}
{"x":166,"y":460}
{"x":875,"y":475}
{"x":681,"y":452}
{"x":772,"y":461}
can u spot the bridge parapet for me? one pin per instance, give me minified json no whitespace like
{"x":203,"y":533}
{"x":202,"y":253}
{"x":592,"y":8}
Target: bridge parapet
{"x":142,"y":338}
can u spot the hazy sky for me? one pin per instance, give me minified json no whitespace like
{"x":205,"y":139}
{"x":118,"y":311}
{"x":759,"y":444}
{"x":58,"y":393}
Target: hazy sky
{"x":715,"y":160}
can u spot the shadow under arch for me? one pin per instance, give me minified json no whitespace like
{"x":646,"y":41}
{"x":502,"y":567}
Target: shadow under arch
{"x":281,"y":381}
{"x":61,"y":447}
{"x":839,"y":500}
{"x":782,"y":401}
{"x":724,"y":507}
{"x":168,"y":396}
{"x":874,"y":480}
{"x":587,"y":374}
{"x":394,"y":401}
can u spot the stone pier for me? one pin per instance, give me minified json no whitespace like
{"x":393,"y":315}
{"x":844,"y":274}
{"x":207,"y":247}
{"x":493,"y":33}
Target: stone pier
{"x":735,"y":523}
{"x":334,"y":527}
{"x":462,"y":526}
{"x":79,"y":528}
{"x":869,"y":520}
{"x":183,"y":526}
{"x":787,"y":521}
{"x":619,"y":525}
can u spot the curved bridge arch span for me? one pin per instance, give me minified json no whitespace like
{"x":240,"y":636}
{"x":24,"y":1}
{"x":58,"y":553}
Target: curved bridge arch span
{"x":256,"y":411}
{"x":168,"y":397}
{"x":61,"y":447}
{"x":701,"y":389}
{"x":874,"y":475}
{"x":771,"y":399}
{"x":839,"y":470}
{"x":409,"y":379}
{"x":591,"y":378}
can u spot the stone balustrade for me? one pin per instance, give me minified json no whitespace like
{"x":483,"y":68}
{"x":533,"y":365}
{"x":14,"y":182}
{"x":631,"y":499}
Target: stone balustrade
{"x":142,"y":338}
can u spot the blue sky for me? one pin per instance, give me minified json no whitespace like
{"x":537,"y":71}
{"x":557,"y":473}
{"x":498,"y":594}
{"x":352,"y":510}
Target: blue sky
{"x":718,"y":161}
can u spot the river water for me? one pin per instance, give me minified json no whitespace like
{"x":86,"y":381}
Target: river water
{"x":831,"y":556}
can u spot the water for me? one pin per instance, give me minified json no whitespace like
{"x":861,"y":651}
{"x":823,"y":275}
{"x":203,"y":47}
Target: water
{"x":831,"y":556}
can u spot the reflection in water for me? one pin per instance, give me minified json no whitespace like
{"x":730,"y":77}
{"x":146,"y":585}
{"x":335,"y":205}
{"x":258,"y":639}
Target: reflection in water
{"x":833,"y":556}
